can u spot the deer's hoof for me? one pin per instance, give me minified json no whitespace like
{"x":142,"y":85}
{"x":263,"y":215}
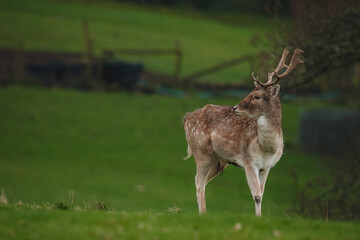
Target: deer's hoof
{"x":257,"y":199}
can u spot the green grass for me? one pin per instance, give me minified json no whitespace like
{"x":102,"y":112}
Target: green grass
{"x":56,"y":25}
{"x":108,"y":145}
{"x":123,"y":151}
{"x":18,"y":223}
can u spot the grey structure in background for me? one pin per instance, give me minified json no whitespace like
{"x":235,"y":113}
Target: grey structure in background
{"x":330,"y":132}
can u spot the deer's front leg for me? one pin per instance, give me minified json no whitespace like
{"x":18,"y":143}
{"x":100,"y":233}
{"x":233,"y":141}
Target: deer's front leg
{"x":252,"y":176}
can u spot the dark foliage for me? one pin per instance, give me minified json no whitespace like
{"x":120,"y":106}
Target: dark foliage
{"x":101,"y":205}
{"x":62,"y":205}
{"x":98,"y":204}
{"x":328,"y":32}
{"x":333,"y":197}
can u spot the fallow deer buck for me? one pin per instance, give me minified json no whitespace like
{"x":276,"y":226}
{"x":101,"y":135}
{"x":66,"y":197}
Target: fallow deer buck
{"x":248,"y":135}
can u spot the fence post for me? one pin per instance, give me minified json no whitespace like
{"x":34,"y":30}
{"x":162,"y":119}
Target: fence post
{"x":178,"y":61}
{"x":89,"y":48}
{"x":18,"y":63}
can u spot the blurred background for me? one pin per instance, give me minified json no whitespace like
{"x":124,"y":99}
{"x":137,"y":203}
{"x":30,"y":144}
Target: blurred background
{"x":92,"y":95}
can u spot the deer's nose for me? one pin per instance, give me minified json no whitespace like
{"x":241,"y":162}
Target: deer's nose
{"x":234,"y":108}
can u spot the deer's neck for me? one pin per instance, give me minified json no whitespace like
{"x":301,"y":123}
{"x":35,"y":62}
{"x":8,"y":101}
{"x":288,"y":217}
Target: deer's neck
{"x":269,"y":132}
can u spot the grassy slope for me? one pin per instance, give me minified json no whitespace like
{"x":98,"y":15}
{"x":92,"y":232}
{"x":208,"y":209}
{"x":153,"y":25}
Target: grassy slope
{"x":56,"y":25}
{"x":105,"y":145}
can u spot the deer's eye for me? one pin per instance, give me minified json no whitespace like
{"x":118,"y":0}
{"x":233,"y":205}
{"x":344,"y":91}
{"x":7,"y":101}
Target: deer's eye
{"x":256,"y":97}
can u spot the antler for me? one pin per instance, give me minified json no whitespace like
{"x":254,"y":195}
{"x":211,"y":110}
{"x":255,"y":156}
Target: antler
{"x":295,"y":60}
{"x":280,"y":65}
{"x":256,"y":79}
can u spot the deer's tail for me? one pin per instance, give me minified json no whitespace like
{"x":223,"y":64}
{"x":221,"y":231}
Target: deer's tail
{"x":189,"y":153}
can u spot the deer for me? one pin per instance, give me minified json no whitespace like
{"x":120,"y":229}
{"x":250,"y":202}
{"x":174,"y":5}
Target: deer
{"x":248,"y":135}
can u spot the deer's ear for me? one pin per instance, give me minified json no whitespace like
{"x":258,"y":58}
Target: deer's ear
{"x":274,"y":91}
{"x":256,"y":84}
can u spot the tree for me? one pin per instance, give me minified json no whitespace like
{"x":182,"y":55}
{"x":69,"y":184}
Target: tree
{"x":329,"y":33}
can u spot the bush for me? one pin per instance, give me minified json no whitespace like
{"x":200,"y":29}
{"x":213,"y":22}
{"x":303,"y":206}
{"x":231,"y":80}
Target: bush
{"x":335,"y":196}
{"x":98,"y":204}
{"x":62,"y":205}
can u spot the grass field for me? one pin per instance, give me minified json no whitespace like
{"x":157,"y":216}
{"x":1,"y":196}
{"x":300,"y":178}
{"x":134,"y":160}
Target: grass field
{"x":90,"y":224}
{"x":56,"y":26}
{"x":126,"y":149}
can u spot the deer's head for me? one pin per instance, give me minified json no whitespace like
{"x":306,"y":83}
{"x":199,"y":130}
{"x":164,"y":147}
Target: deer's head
{"x":263,"y":99}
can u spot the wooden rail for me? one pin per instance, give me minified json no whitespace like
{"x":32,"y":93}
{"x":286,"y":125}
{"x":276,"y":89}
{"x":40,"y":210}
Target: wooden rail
{"x":176,"y":51}
{"x":215,"y":68}
{"x":110,"y":53}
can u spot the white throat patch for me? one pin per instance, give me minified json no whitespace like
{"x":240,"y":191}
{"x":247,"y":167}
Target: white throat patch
{"x":262,"y":122}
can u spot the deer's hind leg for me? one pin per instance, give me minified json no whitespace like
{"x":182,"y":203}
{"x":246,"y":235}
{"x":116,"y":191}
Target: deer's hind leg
{"x":207,"y":167}
{"x":262,"y":177}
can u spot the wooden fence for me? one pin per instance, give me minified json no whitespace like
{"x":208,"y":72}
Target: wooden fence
{"x":93,"y":65}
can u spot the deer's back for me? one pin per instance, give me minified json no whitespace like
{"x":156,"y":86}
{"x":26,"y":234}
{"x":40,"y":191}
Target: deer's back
{"x":217,"y":129}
